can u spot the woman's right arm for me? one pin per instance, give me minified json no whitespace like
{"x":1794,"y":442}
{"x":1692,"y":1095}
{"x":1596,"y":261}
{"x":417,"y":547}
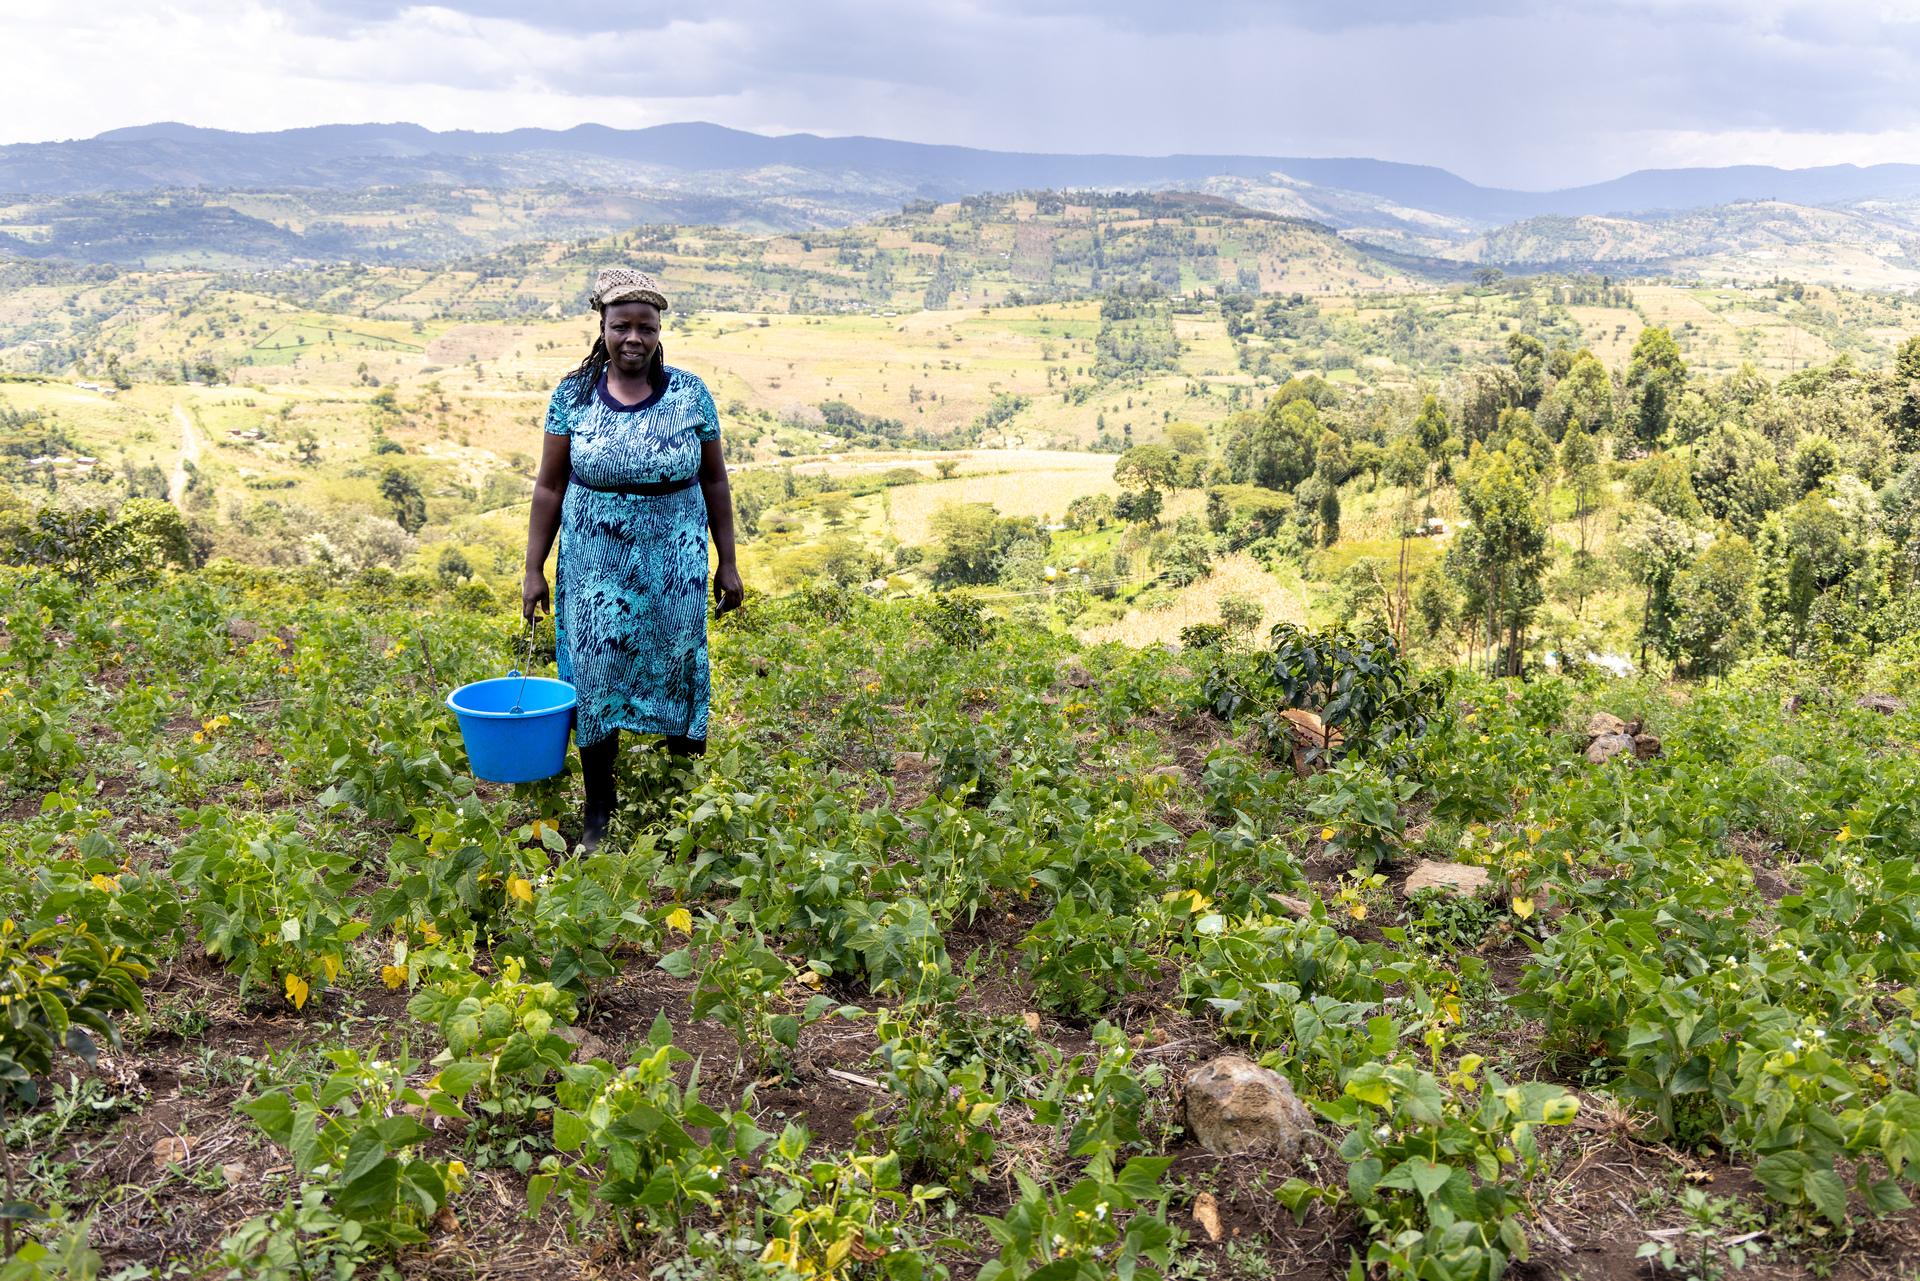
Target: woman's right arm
{"x":549,"y":487}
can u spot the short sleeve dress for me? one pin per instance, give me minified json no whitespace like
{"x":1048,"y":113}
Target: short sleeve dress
{"x":630,"y":586}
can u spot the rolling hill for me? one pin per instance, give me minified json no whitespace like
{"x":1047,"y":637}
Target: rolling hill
{"x":1748,"y":240}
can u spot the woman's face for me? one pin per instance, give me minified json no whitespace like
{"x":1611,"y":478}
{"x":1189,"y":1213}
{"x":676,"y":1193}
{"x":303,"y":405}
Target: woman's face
{"x":632,"y":334}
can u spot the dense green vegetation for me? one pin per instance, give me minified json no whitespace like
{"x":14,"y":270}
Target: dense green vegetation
{"x":238,"y":799}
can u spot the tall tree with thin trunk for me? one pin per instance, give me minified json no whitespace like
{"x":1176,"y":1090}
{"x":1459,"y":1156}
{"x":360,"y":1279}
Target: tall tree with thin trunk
{"x":1586,"y":476}
{"x":1407,"y":468}
{"x":1500,"y":555}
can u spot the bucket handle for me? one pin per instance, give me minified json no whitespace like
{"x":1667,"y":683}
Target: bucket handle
{"x":526,"y":662}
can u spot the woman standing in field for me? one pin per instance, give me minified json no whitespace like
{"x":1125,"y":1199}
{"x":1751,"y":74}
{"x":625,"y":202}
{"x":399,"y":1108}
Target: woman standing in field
{"x":632,"y":480}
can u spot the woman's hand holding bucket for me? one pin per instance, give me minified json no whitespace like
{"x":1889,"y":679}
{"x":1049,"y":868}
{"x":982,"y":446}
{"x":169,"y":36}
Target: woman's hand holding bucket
{"x":533,"y":595}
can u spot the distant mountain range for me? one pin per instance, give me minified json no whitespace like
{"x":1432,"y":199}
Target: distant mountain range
{"x":344,"y":156}
{"x":708,"y":173}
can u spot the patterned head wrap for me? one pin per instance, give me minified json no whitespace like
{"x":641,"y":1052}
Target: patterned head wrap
{"x":624,"y":284}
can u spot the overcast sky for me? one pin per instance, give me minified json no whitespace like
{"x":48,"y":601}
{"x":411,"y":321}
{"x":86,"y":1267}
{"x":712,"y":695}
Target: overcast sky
{"x":1527,"y":93}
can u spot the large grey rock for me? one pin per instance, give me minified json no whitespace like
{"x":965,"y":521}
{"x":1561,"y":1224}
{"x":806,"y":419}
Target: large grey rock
{"x":1608,"y":746}
{"x":1235,"y":1105}
{"x":1885,"y":704}
{"x":1461,"y":879}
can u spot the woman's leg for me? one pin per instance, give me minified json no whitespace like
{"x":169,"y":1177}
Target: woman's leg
{"x":596,"y":767}
{"x":681,"y":745}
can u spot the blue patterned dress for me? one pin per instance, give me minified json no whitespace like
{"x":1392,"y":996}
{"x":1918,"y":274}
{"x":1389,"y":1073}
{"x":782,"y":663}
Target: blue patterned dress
{"x":630,"y":587}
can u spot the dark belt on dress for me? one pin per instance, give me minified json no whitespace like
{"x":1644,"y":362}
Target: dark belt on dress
{"x":650,"y":490}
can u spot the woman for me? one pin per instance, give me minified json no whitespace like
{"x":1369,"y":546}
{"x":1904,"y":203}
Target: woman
{"x":628,"y":438}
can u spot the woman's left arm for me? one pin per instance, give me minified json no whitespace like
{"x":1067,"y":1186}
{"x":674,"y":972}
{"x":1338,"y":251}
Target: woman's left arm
{"x":719,"y":496}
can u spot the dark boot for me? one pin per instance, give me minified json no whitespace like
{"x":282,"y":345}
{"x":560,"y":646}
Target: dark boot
{"x":596,"y":768}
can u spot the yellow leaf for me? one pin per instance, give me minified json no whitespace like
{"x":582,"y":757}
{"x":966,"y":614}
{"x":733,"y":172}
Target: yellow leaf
{"x":297,"y":991}
{"x":107,"y":883}
{"x":393,"y":975}
{"x":1522,"y":907}
{"x":1357,"y":910}
{"x":521,"y":888}
{"x":680,"y":919}
{"x":331,"y":964}
{"x":1326,"y":833}
{"x":1845,"y":834}
{"x":540,"y":826}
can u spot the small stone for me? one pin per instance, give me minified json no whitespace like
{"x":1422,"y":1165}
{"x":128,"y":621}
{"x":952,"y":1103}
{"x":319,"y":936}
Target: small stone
{"x":1646,"y":746}
{"x":1463,"y":880}
{"x":1235,"y":1105}
{"x":1206,"y":1213}
{"x":236,"y":1174}
{"x":172,"y":1150}
{"x":1601,"y":724}
{"x":1608,"y":746}
{"x":1791,"y":766}
{"x":1032,"y":1021}
{"x":586,"y":1045}
{"x":242,"y":632}
{"x":1885,"y":704}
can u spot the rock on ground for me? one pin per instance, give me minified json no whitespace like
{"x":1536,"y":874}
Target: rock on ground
{"x":1461,"y":879}
{"x":1314,"y":741}
{"x":1235,"y":1105}
{"x":1608,"y":746}
{"x":1601,"y":724}
{"x":1885,"y":704}
{"x":586,"y":1045}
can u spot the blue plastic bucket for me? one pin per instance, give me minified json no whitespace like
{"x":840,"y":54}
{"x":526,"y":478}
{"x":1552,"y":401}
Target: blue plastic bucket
{"x":504,"y":746}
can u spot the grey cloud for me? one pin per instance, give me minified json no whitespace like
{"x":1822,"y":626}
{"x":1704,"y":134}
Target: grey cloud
{"x":1528,"y":92}
{"x":1148,"y":16}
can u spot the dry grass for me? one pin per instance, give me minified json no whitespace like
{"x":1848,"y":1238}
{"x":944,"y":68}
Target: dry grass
{"x":1236,"y":575}
{"x":1040,"y":484}
{"x":1717,"y":339}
